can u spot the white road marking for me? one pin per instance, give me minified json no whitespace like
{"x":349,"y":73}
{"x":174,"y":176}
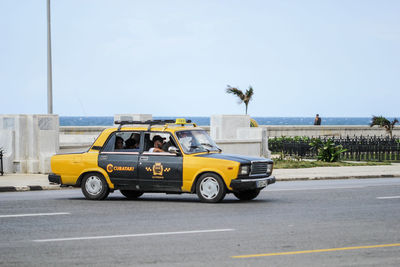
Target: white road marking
{"x":132,"y":235}
{"x":34,"y":214}
{"x":392,"y":197}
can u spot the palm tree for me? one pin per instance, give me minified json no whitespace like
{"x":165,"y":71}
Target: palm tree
{"x":384,"y":123}
{"x":244,"y":97}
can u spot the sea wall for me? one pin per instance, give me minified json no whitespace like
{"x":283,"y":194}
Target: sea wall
{"x":79,"y":138}
{"x":328,"y":130}
{"x":30,"y":140}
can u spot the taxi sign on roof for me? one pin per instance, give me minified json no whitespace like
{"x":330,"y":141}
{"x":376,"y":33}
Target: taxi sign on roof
{"x":180,"y":121}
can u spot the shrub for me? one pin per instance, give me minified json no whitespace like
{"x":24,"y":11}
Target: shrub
{"x":327,"y":151}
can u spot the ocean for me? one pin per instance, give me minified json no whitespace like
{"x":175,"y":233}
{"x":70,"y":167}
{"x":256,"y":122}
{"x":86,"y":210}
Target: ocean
{"x":205,"y":121}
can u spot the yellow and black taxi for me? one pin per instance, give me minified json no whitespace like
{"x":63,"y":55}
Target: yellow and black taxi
{"x":160,"y":156}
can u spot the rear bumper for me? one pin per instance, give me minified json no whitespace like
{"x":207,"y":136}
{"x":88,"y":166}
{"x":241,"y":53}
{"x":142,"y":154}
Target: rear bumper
{"x":248,"y":184}
{"x":53,"y":178}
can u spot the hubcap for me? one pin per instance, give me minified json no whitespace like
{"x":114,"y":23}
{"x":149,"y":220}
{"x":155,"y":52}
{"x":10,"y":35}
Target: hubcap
{"x":209,"y":188}
{"x":93,"y":185}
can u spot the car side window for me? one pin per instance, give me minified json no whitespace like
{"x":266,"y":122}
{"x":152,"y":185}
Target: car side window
{"x":109,"y":147}
{"x":158,"y":142}
{"x":123,"y":142}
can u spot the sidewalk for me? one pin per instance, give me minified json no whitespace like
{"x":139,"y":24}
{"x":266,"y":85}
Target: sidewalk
{"x":29,"y":182}
{"x":351,"y":172}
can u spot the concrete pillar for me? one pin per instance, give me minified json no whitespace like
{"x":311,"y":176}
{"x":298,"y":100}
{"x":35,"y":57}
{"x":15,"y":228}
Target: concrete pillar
{"x":133,"y":117}
{"x":234,"y":134}
{"x":48,"y":132}
{"x":224,"y":127}
{"x":7,"y":145}
{"x":34,"y":139}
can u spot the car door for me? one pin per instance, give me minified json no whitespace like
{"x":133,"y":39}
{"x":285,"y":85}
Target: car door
{"x":159,"y":171}
{"x":121,"y":162}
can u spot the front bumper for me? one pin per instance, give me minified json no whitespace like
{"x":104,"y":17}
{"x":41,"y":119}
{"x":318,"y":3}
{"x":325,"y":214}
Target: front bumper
{"x":53,"y":178}
{"x":248,"y":184}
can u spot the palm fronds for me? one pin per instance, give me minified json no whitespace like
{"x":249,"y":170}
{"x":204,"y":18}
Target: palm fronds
{"x":243,"y":97}
{"x":383,"y":123}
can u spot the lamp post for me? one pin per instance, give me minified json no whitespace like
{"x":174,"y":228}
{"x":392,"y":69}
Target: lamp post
{"x":49,"y":66}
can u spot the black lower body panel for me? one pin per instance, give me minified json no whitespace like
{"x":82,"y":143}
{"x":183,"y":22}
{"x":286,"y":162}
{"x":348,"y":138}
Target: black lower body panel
{"x":250,"y":184}
{"x":53,"y":178}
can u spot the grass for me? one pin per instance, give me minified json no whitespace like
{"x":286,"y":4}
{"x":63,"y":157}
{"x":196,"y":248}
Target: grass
{"x":296,"y":164}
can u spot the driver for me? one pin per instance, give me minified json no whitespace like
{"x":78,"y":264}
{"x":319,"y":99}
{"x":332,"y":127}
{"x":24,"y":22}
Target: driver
{"x":185,"y":139}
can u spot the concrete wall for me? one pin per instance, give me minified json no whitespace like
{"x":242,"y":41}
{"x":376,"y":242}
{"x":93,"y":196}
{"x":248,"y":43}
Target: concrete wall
{"x":133,"y":117}
{"x":79,"y":138}
{"x":29,"y":142}
{"x":233,"y":135}
{"x":223,"y":127}
{"x":311,"y":130}
{"x":249,"y":147}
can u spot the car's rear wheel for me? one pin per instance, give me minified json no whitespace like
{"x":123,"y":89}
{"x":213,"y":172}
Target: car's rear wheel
{"x":210,"y":188}
{"x":94,"y":186}
{"x":247,"y":195}
{"x":131,"y":194}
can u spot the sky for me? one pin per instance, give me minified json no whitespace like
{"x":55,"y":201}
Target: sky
{"x":175,"y":58}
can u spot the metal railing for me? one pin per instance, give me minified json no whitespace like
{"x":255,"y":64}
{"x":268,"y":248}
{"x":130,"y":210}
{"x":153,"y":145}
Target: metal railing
{"x":369,"y":148}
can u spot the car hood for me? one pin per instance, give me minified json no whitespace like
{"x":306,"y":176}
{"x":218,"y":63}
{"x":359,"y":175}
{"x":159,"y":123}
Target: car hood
{"x":239,"y":158}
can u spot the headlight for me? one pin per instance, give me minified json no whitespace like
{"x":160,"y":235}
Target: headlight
{"x":244,"y":170}
{"x":270,"y":166}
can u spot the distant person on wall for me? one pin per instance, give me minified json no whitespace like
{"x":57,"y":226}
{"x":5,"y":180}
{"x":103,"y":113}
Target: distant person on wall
{"x":317,"y":120}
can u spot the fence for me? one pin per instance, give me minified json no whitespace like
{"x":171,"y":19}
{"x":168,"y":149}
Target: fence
{"x":369,"y":148}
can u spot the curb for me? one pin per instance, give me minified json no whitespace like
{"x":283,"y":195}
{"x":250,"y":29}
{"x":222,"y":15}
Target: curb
{"x":28,"y":188}
{"x":337,"y":177}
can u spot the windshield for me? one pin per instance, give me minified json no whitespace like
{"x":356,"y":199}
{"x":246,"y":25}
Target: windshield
{"x":196,"y":141}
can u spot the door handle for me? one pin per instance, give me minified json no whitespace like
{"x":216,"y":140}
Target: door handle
{"x":144,"y":158}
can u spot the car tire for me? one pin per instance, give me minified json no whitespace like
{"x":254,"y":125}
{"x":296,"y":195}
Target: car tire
{"x":210,"y":188}
{"x":94,"y":186}
{"x":131,"y":194}
{"x":247,"y":195}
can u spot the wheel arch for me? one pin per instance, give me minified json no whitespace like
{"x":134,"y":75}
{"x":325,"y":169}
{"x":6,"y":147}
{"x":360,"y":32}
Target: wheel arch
{"x":102,"y":172}
{"x":193,"y":188}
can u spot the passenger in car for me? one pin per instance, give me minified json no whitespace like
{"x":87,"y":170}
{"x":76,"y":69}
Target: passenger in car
{"x":119,"y":143}
{"x":133,"y":142}
{"x":158,"y":143}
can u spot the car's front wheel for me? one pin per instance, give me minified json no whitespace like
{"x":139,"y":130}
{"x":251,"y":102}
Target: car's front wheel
{"x":210,"y":188}
{"x":247,"y":195}
{"x":94,"y":186}
{"x":131,"y":194}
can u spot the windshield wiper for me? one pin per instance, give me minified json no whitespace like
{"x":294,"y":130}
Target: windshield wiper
{"x":211,"y":146}
{"x":208,"y":151}
{"x":207,"y":144}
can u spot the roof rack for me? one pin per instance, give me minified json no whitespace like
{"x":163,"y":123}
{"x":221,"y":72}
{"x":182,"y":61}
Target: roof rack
{"x":152,"y":122}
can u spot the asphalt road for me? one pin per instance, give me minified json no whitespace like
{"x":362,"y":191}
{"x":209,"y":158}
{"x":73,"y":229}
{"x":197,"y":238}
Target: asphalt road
{"x":304,"y":223}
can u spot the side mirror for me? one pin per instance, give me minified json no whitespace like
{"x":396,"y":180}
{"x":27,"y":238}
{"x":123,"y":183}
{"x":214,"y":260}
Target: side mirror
{"x":174,"y":150}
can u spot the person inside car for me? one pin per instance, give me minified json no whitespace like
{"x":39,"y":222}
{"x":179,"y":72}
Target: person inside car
{"x":133,"y":142}
{"x":119,"y":143}
{"x":185,"y":139}
{"x":158,"y":143}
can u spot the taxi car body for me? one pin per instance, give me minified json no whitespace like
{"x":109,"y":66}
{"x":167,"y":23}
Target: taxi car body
{"x":160,"y":156}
